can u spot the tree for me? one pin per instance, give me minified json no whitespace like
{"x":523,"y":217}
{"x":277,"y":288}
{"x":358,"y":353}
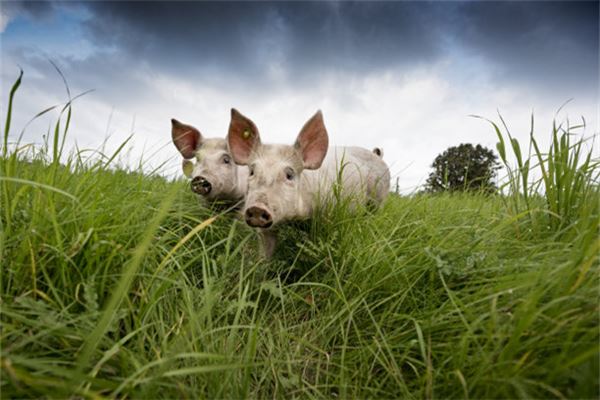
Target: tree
{"x":462,"y":168}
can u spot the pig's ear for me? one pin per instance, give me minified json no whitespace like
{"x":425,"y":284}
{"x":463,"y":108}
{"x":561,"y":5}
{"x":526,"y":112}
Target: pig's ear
{"x":242,"y":137}
{"x":187,"y":139}
{"x":312,"y":142}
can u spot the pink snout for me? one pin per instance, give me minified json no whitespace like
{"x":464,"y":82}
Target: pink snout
{"x":258,"y":217}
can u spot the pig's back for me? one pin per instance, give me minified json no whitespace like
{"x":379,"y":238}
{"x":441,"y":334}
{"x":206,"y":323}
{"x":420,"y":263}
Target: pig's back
{"x":364,"y":175}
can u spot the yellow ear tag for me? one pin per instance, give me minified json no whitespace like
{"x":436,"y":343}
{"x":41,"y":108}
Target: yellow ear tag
{"x":188,"y":168}
{"x":246,"y":135}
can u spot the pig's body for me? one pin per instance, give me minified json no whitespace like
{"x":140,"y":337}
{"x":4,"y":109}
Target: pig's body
{"x":362,"y":176}
{"x":365,"y":177}
{"x":288,"y":182}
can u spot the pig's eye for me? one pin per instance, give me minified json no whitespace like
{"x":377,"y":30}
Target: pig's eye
{"x":289,"y":174}
{"x":251,"y":171}
{"x":226,"y":159}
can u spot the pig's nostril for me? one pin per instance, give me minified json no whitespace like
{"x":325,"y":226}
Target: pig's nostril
{"x":265,"y":217}
{"x":200,"y":185}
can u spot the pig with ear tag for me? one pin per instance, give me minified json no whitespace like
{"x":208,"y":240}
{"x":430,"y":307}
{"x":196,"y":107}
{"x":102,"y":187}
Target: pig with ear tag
{"x":208,"y":162}
{"x":287,"y":182}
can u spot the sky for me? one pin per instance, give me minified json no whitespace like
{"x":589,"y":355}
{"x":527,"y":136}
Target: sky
{"x":404,"y":76}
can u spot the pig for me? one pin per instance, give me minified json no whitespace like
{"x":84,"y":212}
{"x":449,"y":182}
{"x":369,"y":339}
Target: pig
{"x":289,"y":182}
{"x":208,"y":162}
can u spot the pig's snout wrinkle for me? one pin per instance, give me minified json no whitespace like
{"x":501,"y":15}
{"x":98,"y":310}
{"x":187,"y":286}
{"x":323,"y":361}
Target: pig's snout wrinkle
{"x":258,"y":217}
{"x":201,"y":186}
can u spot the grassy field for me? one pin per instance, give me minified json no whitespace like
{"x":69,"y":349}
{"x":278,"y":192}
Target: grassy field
{"x":119,"y":284}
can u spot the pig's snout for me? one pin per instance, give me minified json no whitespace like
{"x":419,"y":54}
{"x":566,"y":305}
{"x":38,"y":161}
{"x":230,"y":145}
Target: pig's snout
{"x":201,"y":186}
{"x":258,"y":217}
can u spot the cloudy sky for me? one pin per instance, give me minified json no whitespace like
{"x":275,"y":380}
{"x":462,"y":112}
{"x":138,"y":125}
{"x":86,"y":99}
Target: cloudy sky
{"x":405,"y":76}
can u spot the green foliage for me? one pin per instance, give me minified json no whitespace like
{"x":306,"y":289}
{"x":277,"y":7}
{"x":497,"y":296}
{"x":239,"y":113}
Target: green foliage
{"x":464,"y":167}
{"x":568,"y":186}
{"x":119,"y":284}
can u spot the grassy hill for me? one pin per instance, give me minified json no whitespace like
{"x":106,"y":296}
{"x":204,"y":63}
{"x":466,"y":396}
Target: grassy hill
{"x":119,"y":284}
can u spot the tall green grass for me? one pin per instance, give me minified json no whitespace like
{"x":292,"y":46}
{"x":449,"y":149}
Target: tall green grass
{"x":118,"y":283}
{"x":568,"y":182}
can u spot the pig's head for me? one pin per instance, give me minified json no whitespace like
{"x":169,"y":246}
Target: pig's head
{"x":208,"y":163}
{"x":276,"y":187}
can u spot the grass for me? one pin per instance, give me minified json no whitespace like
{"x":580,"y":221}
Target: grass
{"x":117,"y":283}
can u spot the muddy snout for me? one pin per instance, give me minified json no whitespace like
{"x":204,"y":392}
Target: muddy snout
{"x":258,"y":217}
{"x":201,"y":186}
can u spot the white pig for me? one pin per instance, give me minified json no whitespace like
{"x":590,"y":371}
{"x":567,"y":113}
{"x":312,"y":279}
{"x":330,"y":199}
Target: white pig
{"x":214,"y":175}
{"x":288,"y":182}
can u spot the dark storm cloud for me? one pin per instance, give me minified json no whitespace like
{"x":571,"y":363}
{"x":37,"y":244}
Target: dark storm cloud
{"x":529,"y":41}
{"x":246,"y":38}
{"x":542,"y":45}
{"x":550,"y":43}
